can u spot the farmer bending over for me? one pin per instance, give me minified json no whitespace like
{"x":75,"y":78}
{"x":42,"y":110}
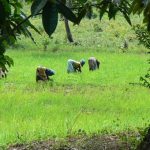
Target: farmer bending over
{"x":93,"y":63}
{"x":75,"y":66}
{"x":43,"y":73}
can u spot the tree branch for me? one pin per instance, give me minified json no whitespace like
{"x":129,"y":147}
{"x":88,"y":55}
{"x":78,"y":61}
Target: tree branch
{"x":19,"y":24}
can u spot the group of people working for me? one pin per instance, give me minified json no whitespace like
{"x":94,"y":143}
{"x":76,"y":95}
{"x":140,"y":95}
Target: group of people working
{"x":43,"y":73}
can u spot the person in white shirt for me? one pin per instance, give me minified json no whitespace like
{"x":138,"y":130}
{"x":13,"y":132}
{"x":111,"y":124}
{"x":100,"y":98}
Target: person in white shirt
{"x":75,"y":66}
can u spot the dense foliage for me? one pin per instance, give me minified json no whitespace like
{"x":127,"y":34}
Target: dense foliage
{"x":11,"y":16}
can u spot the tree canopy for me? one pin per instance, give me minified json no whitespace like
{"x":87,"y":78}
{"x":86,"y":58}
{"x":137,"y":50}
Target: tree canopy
{"x":14,"y":22}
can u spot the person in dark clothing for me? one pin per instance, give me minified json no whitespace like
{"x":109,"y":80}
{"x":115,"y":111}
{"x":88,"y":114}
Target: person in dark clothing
{"x":43,"y":73}
{"x":93,"y":63}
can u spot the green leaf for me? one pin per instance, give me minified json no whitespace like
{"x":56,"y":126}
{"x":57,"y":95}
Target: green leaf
{"x":5,"y":61}
{"x":127,"y":18}
{"x":7,"y":7}
{"x":26,"y":32}
{"x":9,"y":60}
{"x":37,"y":6}
{"x":137,"y":6}
{"x":50,"y":18}
{"x":4,"y":11}
{"x":28,"y":23}
{"x":148,"y":25}
{"x":82,"y":1}
{"x":124,"y":9}
{"x":2,"y":47}
{"x":103,"y":9}
{"x":17,"y":7}
{"x":66,"y":12}
{"x":112,"y":11}
{"x":82,"y":13}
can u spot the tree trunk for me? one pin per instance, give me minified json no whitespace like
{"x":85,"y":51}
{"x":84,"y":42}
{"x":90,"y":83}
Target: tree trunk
{"x":68,"y":31}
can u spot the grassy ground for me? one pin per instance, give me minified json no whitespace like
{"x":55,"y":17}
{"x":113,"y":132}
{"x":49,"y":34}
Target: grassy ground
{"x":90,"y":101}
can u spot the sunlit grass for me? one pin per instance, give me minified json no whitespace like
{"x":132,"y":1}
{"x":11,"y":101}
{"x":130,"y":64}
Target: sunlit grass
{"x":91,"y":101}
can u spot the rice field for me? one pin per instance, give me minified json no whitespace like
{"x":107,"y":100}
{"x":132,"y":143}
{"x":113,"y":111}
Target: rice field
{"x":94,"y":102}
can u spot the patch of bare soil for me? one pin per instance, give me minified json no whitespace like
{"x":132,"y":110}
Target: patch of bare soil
{"x":80,"y":143}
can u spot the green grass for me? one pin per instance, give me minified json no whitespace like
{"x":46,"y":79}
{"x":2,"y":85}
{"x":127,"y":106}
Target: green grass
{"x":91,"y":101}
